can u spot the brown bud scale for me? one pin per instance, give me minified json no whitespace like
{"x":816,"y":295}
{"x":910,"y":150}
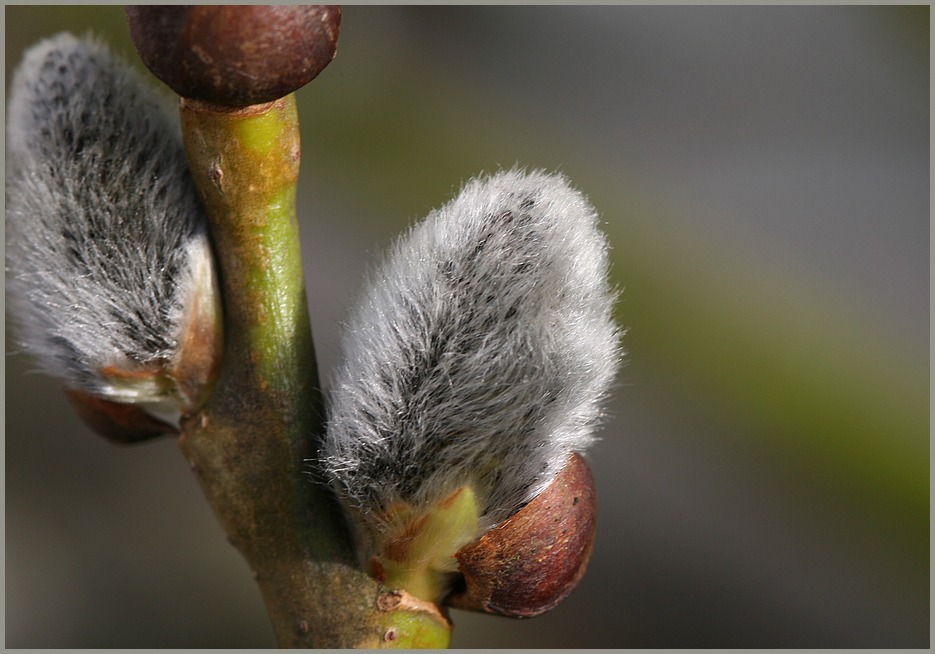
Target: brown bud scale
{"x":530,"y":562}
{"x":117,"y":422}
{"x":235,"y":54}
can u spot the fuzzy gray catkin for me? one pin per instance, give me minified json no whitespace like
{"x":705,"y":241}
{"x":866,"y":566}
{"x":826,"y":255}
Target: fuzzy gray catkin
{"x":480,"y":353}
{"x":106,"y":237}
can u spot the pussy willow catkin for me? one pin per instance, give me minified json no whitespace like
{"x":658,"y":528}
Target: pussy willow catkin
{"x":479,"y":354}
{"x":106,"y":239}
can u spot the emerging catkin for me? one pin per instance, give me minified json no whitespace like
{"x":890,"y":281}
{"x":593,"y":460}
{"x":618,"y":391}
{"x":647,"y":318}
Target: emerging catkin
{"x":106,"y":239}
{"x":479,"y":354}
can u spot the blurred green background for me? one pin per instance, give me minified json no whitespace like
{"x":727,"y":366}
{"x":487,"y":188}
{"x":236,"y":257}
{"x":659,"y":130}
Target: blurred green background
{"x":764,"y":177}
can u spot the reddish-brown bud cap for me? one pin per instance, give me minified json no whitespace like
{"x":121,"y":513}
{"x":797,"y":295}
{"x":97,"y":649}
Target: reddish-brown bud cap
{"x":530,"y":562}
{"x":235,"y":54}
{"x":116,"y":421}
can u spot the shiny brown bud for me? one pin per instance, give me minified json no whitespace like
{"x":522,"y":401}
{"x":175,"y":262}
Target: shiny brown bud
{"x":235,"y":54}
{"x":116,"y":421}
{"x":530,"y":562}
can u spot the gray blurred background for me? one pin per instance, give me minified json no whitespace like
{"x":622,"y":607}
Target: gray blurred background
{"x":764,"y":177}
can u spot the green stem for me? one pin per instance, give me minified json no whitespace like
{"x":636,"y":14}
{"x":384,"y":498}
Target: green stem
{"x":419,"y":552}
{"x":249,"y":443}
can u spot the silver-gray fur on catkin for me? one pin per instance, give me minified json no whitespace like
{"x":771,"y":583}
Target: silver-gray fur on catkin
{"x":106,"y":236}
{"x":480,"y":353}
